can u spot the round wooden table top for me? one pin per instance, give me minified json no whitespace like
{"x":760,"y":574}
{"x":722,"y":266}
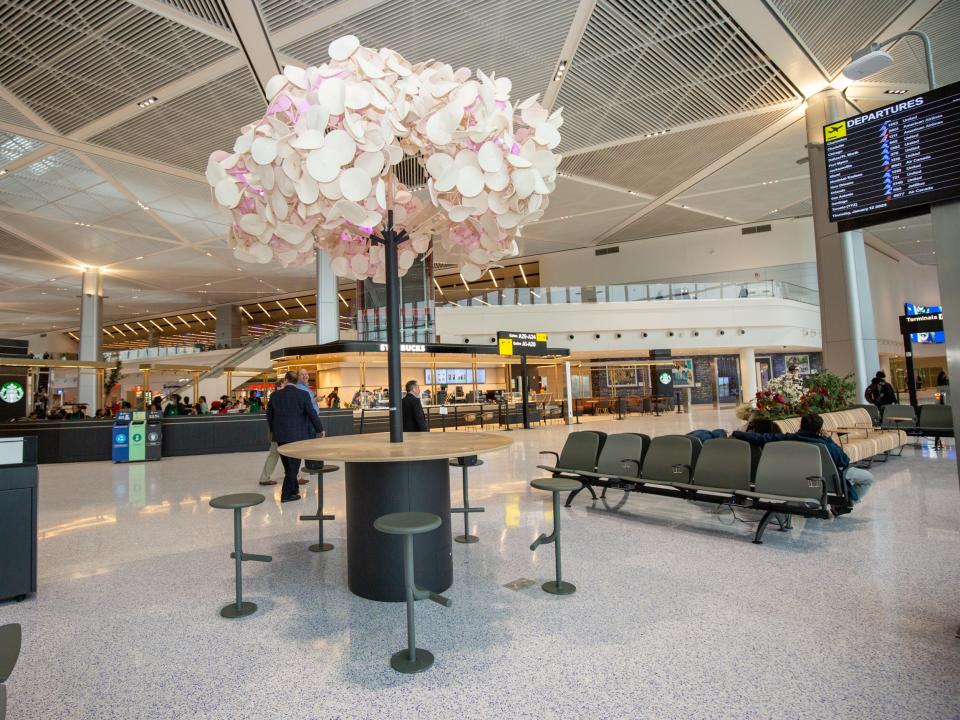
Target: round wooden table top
{"x":376,"y":447}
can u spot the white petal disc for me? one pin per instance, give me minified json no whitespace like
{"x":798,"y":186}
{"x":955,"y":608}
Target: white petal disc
{"x":459,"y":213}
{"x":227,"y":193}
{"x":322,"y":166}
{"x":355,"y":184}
{"x":438,"y":164}
{"x":490,"y":157}
{"x":308,"y":189}
{"x":343,"y":47}
{"x":264,"y":150}
{"x":252,"y":224}
{"x":296,"y":75}
{"x":469,"y":181}
{"x":331,"y":94}
{"x":342,"y":147}
{"x":275,"y":85}
{"x":340,"y":266}
{"x":497,"y":180}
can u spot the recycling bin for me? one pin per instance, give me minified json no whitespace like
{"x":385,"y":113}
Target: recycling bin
{"x":134,"y":437}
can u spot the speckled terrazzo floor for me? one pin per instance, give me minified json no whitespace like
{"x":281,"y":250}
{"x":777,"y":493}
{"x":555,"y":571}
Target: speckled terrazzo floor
{"x":677,"y":614}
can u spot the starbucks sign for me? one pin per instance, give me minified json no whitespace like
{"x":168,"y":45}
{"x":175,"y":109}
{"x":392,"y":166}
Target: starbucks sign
{"x":11,"y":392}
{"x":666,"y":378}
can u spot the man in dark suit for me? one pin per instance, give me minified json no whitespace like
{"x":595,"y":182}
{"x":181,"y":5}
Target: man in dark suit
{"x":291,"y":416}
{"x":413,"y":419}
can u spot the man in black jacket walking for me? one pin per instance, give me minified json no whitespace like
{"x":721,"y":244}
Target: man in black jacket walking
{"x":290,"y":416}
{"x":413,"y":419}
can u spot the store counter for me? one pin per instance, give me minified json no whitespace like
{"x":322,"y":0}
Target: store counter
{"x":83,"y":440}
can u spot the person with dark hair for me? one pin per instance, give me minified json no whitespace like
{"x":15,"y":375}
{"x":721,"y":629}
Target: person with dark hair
{"x":157,"y":404}
{"x":413,"y":418}
{"x":811,"y":431}
{"x":880,"y":392}
{"x":173,"y":406}
{"x":291,"y":416}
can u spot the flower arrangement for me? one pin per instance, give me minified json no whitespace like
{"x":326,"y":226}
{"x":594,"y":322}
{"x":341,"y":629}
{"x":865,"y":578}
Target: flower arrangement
{"x":316,"y":170}
{"x":789,"y":396}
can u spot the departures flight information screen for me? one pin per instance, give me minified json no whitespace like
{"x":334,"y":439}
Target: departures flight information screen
{"x":898,"y":156}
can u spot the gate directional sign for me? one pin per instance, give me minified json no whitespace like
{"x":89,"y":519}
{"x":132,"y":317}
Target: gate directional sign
{"x":519,"y":343}
{"x":926,"y":323}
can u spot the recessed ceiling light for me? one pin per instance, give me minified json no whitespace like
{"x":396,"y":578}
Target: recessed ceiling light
{"x":560,"y":69}
{"x":895,"y":92}
{"x":139,"y":257}
{"x":3,"y":172}
{"x":148,"y":102}
{"x":209,"y":254}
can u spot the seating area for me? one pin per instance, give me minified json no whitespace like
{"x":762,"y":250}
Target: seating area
{"x":855,"y":431}
{"x":787,"y":478}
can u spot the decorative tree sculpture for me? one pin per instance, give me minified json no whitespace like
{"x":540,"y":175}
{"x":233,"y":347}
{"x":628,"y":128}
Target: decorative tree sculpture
{"x":316,"y":170}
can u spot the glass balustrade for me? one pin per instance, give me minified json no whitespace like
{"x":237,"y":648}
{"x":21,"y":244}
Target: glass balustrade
{"x":630,"y":292}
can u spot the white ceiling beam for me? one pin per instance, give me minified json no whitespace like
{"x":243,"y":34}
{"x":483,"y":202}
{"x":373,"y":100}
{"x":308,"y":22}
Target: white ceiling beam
{"x":767,"y":30}
{"x":577,"y":27}
{"x":79,"y":146}
{"x":253,"y":39}
{"x":713,"y":167}
{"x":908,"y":20}
{"x":191,"y":21}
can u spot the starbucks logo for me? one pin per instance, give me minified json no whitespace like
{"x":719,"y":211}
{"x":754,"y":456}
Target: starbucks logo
{"x":665,"y":378}
{"x":11,"y":392}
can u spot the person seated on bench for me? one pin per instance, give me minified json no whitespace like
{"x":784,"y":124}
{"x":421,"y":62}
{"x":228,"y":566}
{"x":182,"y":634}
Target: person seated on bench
{"x":811,"y":431}
{"x":703,"y":435}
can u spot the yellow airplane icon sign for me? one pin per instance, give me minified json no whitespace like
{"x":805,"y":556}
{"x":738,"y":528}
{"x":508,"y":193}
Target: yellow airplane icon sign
{"x":835,"y":132}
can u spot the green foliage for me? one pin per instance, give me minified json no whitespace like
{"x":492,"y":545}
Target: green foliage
{"x":112,"y":379}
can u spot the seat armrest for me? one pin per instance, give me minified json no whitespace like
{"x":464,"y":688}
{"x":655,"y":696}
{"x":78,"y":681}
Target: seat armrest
{"x":818,"y":479}
{"x":551,"y":452}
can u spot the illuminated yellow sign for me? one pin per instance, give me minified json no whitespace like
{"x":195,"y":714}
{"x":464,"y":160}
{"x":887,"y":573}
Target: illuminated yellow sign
{"x":835,"y":132}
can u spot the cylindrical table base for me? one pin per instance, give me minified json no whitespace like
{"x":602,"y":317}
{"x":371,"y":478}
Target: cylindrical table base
{"x":375,"y":561}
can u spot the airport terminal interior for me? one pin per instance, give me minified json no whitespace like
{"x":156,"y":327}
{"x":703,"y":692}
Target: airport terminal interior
{"x":432,"y":359}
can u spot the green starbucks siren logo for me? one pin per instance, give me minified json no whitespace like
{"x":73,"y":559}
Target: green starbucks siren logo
{"x":11,"y":392}
{"x":665,"y":378}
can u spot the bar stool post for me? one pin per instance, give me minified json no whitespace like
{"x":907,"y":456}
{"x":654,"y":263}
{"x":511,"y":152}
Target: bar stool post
{"x":408,"y":584}
{"x":556,"y":530}
{"x":238,"y":554}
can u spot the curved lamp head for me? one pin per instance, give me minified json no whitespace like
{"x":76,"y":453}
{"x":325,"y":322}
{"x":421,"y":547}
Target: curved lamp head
{"x":867,"y":62}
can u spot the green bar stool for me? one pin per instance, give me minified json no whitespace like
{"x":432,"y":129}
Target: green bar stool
{"x":555,"y":486}
{"x":10,"y":638}
{"x":320,"y":546}
{"x":464,"y":463}
{"x":237,"y":503}
{"x":408,"y":524}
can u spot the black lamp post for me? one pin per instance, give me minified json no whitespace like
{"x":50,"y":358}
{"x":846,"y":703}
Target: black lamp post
{"x":390,"y":240}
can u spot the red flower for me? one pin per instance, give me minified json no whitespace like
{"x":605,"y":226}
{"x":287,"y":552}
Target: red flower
{"x":779,"y":398}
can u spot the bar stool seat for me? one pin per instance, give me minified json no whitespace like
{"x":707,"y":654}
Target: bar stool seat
{"x":555,"y":486}
{"x":558,"y":484}
{"x":320,"y":545}
{"x":408,"y":524}
{"x":238,"y":502}
{"x":465,"y":463}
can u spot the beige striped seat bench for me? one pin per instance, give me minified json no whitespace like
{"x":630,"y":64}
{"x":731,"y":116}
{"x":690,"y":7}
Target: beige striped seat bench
{"x":861,"y":441}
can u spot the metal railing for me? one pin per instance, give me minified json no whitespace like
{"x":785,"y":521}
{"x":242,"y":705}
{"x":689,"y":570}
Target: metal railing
{"x":635,"y":292}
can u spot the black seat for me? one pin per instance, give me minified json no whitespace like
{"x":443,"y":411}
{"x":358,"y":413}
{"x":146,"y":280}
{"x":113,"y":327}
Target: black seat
{"x":238,"y":502}
{"x":11,"y":638}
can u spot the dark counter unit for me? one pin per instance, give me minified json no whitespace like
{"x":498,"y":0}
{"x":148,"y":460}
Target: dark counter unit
{"x":18,"y":517}
{"x":82,"y":440}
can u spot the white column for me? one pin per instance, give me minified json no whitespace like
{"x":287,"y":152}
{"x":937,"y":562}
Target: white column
{"x":748,"y":374}
{"x":946,"y":220}
{"x":328,"y":309}
{"x":569,"y":391}
{"x":846,"y":307}
{"x":91,"y":335}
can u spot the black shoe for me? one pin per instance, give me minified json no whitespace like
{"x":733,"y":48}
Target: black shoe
{"x":269,"y":482}
{"x":291,"y":498}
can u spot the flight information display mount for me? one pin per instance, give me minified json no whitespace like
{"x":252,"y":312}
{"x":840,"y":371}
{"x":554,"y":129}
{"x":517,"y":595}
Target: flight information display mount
{"x":896,"y":157}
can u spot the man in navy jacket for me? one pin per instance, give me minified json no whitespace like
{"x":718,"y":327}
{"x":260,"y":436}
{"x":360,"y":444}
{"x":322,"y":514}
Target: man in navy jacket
{"x":291,"y":416}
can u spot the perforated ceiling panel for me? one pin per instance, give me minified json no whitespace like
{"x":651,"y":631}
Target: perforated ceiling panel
{"x":572,"y":197}
{"x":655,"y":165}
{"x":16,"y":246}
{"x":942,"y":25}
{"x":831,"y":30}
{"x":280,"y":13}
{"x":14,"y":147}
{"x":520,"y":40}
{"x":187,"y":129}
{"x":75,"y":60}
{"x":209,"y":10}
{"x":666,"y":220}
{"x":801,"y":208}
{"x":648,"y":66}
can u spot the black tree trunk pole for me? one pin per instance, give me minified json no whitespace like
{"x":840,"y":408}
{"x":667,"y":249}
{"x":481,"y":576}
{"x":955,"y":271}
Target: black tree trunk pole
{"x":390,"y":241}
